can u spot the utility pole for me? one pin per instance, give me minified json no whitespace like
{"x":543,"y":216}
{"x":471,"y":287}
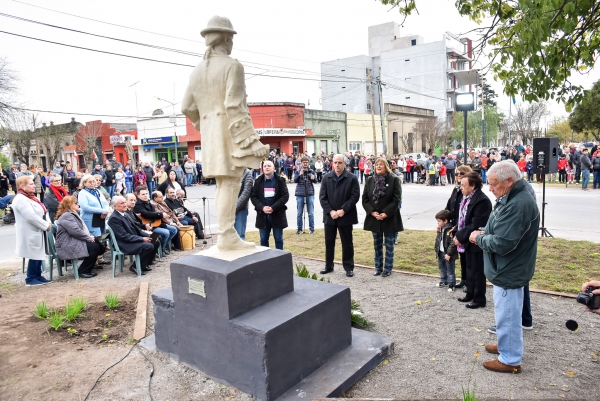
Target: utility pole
{"x":482,"y":114}
{"x":372,"y":111}
{"x":509,"y":112}
{"x":381,"y":114}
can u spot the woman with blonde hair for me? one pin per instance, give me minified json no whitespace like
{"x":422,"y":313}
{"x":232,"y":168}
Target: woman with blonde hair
{"x":31,"y":223}
{"x":381,"y":200}
{"x":73,"y":239}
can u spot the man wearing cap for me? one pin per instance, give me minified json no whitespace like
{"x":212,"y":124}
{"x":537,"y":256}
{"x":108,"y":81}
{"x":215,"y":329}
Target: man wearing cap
{"x":215,"y":101}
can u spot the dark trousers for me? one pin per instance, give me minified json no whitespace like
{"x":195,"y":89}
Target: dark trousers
{"x":526,"y":318}
{"x":463,"y":267}
{"x":188,"y":221}
{"x":450,"y":175}
{"x":562,"y":176}
{"x":331,"y":231}
{"x":475,"y":277}
{"x":147,"y":254}
{"x":94,"y":249}
{"x":577,"y":174}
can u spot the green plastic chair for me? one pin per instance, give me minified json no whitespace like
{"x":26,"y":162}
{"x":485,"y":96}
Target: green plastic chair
{"x":117,"y":254}
{"x":53,"y":256}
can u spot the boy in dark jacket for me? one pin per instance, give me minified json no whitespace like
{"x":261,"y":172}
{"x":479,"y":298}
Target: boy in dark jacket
{"x":445,"y":251}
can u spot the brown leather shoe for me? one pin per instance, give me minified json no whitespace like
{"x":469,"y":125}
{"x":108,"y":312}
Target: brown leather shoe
{"x":492,"y":349}
{"x":497,"y":366}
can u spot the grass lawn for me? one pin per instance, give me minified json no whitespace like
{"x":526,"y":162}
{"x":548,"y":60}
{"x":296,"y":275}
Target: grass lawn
{"x":562,"y":265}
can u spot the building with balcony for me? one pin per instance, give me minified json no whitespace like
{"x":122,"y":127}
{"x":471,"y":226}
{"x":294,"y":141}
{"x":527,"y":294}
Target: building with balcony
{"x":412,"y":73}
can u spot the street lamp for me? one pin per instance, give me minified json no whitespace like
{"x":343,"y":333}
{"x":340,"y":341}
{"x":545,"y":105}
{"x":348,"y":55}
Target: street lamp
{"x":465,"y":102}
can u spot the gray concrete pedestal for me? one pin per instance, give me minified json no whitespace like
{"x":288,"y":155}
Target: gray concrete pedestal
{"x":250,"y":323}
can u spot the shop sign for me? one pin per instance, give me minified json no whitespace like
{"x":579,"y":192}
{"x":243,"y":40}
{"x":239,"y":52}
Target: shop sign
{"x":162,"y":139}
{"x":280,"y":132}
{"x":114,"y":139}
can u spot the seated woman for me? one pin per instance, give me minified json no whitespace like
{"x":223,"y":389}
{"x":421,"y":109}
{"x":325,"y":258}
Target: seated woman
{"x":73,"y":239}
{"x":54,"y":195}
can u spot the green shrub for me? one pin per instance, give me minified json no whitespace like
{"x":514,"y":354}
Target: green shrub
{"x":111,"y":300}
{"x":74,"y":307}
{"x":56,"y":320}
{"x":41,"y":311}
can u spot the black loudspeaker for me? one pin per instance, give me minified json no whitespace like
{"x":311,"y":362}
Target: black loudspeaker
{"x":545,"y":153}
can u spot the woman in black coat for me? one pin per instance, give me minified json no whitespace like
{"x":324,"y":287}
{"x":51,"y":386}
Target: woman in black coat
{"x":172,"y":182}
{"x":381,"y":200}
{"x":453,"y":206}
{"x":474,"y":212}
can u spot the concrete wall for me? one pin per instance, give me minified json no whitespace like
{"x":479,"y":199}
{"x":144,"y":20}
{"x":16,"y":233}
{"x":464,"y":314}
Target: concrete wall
{"x":341,"y":86}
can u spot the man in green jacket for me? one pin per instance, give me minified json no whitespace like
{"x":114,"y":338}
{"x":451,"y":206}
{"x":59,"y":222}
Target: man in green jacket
{"x":509,"y":243}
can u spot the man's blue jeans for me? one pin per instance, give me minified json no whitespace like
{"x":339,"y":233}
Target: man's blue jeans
{"x":190,"y":179}
{"x":310,"y":207}
{"x":585,"y":178}
{"x":265,"y":234}
{"x":166,"y":235}
{"x":241,"y":217}
{"x":484,"y":176}
{"x":596,"y":178}
{"x":111,"y":190}
{"x":508,"y":307}
{"x":4,"y":201}
{"x":150,"y":185}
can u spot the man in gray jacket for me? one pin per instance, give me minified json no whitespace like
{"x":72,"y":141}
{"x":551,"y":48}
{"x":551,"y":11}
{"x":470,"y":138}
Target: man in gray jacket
{"x":509,"y":243}
{"x":585,"y":164}
{"x":241,"y":208}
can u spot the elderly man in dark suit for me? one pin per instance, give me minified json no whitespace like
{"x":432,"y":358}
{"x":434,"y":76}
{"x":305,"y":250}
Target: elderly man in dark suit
{"x":339,"y":194}
{"x":131,"y":240}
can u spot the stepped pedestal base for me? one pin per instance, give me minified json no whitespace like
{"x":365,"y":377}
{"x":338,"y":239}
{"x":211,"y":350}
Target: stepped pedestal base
{"x":251,"y":324}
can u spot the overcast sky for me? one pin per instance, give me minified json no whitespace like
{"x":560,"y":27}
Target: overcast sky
{"x":281,"y":38}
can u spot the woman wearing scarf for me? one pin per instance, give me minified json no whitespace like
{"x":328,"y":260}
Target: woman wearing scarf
{"x":68,"y":177}
{"x":54,"y":195}
{"x":381,"y":200}
{"x":74,"y":240}
{"x":31,"y":224}
{"x":91,"y":202}
{"x":474,"y":212}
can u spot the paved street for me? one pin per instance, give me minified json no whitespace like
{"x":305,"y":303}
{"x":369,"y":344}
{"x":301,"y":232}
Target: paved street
{"x":569,"y":214}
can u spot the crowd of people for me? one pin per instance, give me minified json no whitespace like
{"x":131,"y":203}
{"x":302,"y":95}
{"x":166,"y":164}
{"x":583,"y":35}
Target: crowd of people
{"x":143,"y":214}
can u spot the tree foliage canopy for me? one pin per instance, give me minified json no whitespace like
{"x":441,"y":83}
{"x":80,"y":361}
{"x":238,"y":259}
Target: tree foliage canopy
{"x":586,"y":116}
{"x":534,"y":46}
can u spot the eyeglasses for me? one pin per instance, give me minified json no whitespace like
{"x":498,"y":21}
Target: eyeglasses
{"x":460,"y":173}
{"x":55,"y":181}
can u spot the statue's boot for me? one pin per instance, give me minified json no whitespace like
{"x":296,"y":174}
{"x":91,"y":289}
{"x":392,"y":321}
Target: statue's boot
{"x":226,"y":199}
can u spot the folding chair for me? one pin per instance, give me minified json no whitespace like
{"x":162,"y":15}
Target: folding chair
{"x":117,"y":254}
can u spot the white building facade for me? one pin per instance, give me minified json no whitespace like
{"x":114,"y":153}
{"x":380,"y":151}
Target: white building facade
{"x":412,"y":73}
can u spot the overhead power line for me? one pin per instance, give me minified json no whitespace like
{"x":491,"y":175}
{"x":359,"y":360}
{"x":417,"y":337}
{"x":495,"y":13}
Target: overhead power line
{"x":161,"y":61}
{"x":169,"y":49}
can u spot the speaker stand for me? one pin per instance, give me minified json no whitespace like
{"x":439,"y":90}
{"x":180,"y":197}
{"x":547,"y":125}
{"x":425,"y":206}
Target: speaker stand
{"x":543,"y":230}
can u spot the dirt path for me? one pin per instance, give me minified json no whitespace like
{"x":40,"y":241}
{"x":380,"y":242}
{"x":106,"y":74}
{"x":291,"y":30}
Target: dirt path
{"x":435,"y":344}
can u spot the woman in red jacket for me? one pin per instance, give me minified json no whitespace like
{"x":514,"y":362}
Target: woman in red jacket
{"x":139,"y":177}
{"x":410,"y":168}
{"x":361,"y":167}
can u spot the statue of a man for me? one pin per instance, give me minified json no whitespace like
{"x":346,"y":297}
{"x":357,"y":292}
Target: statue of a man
{"x":215,"y":101}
